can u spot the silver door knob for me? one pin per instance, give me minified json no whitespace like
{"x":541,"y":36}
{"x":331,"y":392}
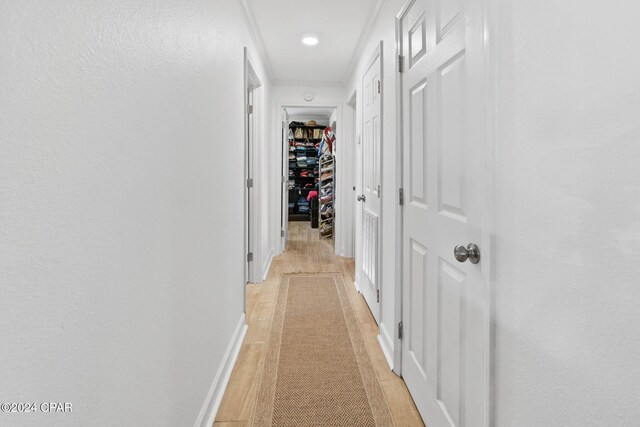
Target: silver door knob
{"x":361,"y":198}
{"x":471,"y":253}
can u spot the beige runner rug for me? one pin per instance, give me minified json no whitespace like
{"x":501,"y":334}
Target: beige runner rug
{"x":317,"y":370}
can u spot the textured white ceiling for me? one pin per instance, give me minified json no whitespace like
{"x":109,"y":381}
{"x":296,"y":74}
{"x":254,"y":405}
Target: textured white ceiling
{"x":337,"y":23}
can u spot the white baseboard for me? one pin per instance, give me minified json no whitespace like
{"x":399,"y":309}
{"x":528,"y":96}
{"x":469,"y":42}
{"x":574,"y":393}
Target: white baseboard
{"x":211,"y":405}
{"x":356,"y":284}
{"x":267,"y":265}
{"x":386,"y":343}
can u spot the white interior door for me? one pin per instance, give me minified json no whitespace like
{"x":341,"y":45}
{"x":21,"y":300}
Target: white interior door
{"x":445,"y":301}
{"x":368,"y":270}
{"x":284,"y":218}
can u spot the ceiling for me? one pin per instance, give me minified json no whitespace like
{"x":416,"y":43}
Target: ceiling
{"x":338,"y":24}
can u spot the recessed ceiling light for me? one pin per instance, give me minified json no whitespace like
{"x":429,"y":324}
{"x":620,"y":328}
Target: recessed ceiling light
{"x":310,"y":40}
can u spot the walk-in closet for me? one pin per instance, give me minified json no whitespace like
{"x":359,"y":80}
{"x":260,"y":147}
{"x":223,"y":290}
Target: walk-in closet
{"x":311,"y":158}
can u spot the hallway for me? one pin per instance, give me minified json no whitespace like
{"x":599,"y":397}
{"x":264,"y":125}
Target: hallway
{"x":476,"y":168}
{"x":305,"y":254}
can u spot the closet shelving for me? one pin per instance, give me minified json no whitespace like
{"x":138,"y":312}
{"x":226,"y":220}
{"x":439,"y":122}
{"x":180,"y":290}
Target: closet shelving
{"x":303,"y":168}
{"x":327,"y":213}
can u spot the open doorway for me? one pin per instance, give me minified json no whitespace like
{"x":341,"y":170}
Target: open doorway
{"x":309,"y":165}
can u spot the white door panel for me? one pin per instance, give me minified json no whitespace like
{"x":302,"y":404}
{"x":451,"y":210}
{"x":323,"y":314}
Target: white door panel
{"x":445,"y":302}
{"x":368,"y":268}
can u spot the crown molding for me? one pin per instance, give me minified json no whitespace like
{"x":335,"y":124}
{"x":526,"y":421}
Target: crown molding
{"x":254,"y":31}
{"x":365,"y":35}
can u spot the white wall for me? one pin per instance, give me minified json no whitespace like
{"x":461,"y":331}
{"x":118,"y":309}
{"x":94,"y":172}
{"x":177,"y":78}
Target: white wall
{"x":567,"y":235}
{"x":305,"y":119}
{"x":121,"y":183}
{"x":333,"y":118}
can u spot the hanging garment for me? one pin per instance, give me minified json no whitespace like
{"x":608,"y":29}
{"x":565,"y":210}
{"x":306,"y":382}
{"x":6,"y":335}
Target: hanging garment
{"x":330,"y":138}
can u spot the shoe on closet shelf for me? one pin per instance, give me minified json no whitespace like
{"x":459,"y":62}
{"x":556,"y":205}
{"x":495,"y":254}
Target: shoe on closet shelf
{"x":326,"y":207}
{"x":326,"y":176}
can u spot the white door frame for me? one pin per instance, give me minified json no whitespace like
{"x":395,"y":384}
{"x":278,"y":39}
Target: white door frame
{"x":397,"y":344}
{"x":284,"y":182}
{"x":252,"y":133}
{"x":343,"y":220}
{"x":487,"y":241}
{"x":350,"y":124}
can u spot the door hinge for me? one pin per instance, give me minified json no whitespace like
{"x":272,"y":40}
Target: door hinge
{"x":281,"y":233}
{"x":400,"y":330}
{"x":379,"y":190}
{"x":378,"y":295}
{"x":249,"y":109}
{"x":249,"y":182}
{"x":400,"y":63}
{"x":250,"y":257}
{"x":379,"y":86}
{"x":401,"y":196}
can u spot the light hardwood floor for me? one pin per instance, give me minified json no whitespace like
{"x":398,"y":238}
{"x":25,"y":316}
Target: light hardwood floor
{"x":305,"y":253}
